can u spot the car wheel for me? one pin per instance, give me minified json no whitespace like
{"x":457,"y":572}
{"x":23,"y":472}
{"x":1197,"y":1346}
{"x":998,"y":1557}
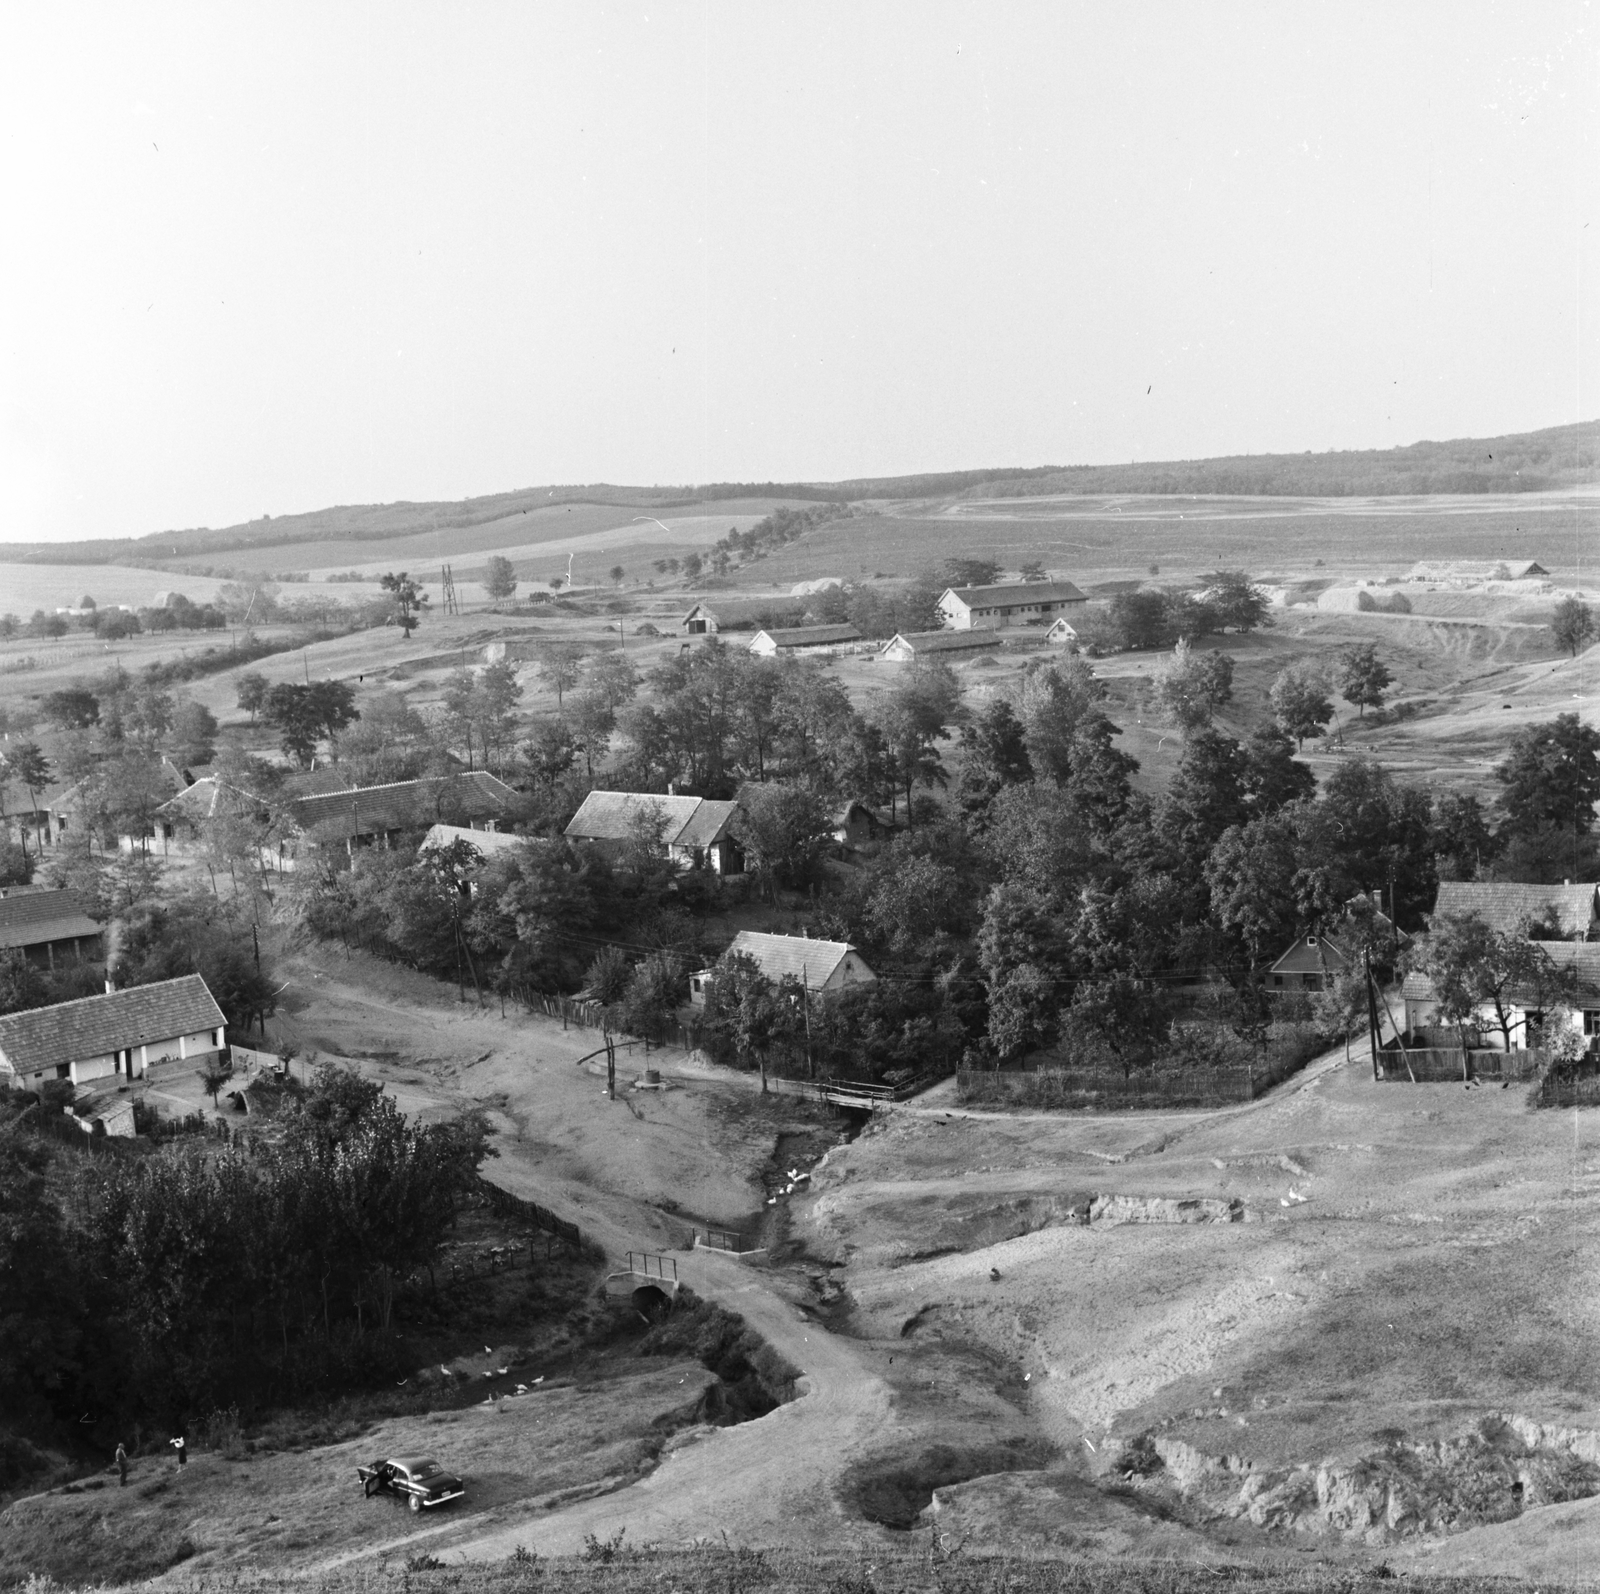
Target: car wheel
{"x":415,"y":1502}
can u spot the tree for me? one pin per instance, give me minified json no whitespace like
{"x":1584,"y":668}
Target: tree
{"x":72,"y":708}
{"x":612,"y":674}
{"x":409,"y":599}
{"x":305,"y":714}
{"x":1251,"y":876}
{"x":1572,"y":624}
{"x":1207,"y":794}
{"x":1299,"y":698}
{"x":1125,"y":1014}
{"x":252,"y":693}
{"x":1363,"y":677}
{"x":194,"y":733}
{"x":1236,"y":601}
{"x":1274,"y":777}
{"x":786,"y":832}
{"x":970,"y":572}
{"x":1474,"y":968}
{"x":1054,"y":700}
{"x":30,"y":766}
{"x":616,"y":572}
{"x":996,"y":752}
{"x":559,"y":665}
{"x":916,"y":715}
{"x":215,"y":1074}
{"x":1551,"y":776}
{"x":1189,"y":687}
{"x":1024,"y":964}
{"x":1034,"y":570}
{"x":1143,"y":619}
{"x":1461,"y":838}
{"x":500,"y":578}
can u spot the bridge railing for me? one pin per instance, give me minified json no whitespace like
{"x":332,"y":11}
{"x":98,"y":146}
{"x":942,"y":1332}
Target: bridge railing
{"x":653,"y":1265}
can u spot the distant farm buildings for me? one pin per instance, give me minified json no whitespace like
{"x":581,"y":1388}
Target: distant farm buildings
{"x":1467,"y":571}
{"x":701,"y":620}
{"x":994,"y":608}
{"x":803,"y":639}
{"x":906,"y":647}
{"x":48,"y":927}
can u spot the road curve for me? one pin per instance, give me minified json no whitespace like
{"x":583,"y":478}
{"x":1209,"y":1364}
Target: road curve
{"x":770,"y":1481}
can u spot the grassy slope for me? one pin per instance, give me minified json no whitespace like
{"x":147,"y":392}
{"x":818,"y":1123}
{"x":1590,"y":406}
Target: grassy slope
{"x":1551,"y":458}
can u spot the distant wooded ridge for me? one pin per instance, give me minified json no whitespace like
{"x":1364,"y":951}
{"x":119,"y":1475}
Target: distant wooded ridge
{"x":1557,"y":456}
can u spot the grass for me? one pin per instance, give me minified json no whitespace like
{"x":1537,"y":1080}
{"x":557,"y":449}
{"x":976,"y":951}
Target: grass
{"x":933,"y":1567}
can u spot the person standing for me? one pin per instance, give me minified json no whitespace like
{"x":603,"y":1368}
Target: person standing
{"x":182,"y":1449}
{"x":122,"y":1467}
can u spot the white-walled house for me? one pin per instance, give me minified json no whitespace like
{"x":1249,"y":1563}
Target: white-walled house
{"x":1012,"y":603}
{"x":823,"y":967}
{"x":1526,"y":1008}
{"x":123,"y":1034}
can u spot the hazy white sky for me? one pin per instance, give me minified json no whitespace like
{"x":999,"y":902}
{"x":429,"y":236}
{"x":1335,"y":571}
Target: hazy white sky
{"x":268,"y":258}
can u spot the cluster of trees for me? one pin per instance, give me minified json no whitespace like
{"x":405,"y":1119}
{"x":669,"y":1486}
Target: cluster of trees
{"x":161,"y":1288}
{"x":775,"y":531}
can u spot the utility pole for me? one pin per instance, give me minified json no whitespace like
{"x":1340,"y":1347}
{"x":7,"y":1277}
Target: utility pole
{"x":1372,"y":1012}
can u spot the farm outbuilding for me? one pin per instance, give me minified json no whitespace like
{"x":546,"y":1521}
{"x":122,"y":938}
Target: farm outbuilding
{"x":906,"y":647}
{"x":1018,"y":603}
{"x":1469,"y":570}
{"x":50,"y":927}
{"x":701,"y":620}
{"x":1063,"y":634}
{"x":803,"y":639}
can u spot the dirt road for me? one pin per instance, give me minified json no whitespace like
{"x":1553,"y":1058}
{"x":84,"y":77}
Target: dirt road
{"x":763,"y":1482}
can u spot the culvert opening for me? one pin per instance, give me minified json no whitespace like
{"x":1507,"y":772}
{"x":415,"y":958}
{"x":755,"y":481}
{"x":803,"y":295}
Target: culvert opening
{"x":651,"y":1302}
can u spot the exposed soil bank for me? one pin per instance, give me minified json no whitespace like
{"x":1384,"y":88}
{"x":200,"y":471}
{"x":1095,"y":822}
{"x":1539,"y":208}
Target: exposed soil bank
{"x":1405,"y":1490}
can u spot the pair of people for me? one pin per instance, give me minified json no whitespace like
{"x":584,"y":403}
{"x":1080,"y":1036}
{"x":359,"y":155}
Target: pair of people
{"x":179,"y":1444}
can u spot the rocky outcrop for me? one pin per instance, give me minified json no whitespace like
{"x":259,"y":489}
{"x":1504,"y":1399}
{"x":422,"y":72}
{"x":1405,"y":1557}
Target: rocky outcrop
{"x":1405,"y":1490}
{"x":1165,"y":1209}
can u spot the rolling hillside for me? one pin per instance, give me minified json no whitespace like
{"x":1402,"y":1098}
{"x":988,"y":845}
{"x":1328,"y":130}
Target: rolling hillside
{"x":1556,"y":457}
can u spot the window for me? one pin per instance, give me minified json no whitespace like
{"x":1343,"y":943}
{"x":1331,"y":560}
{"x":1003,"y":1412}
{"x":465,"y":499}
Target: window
{"x":1591,"y":1021}
{"x":1277,"y":979}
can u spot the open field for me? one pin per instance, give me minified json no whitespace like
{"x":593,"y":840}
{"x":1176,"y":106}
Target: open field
{"x":26,"y":587}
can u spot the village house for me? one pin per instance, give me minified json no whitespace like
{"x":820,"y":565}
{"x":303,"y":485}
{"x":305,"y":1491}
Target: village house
{"x":821,"y":967}
{"x":855,"y":826}
{"x":366,"y":816}
{"x":695,"y":830}
{"x":1316,"y":959}
{"x":803,"y":639}
{"x":123,"y":1034}
{"x":50,"y":927}
{"x":1566,"y":912}
{"x":1020,"y":603}
{"x":906,"y":647}
{"x":487,"y":842}
{"x":1526,"y":1008}
{"x":1062,"y":634}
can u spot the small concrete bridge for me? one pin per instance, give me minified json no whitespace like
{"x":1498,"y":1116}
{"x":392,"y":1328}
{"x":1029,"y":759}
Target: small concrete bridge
{"x":649,"y":1284}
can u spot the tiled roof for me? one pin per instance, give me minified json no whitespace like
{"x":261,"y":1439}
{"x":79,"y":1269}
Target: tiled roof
{"x":44,"y":1037}
{"x":486,"y":841}
{"x":41,"y":916}
{"x":809,"y":636}
{"x":707,"y":825}
{"x":685,"y":821}
{"x":1417,"y":987}
{"x":202,"y":800}
{"x":1010,"y":595}
{"x":1506,"y":905}
{"x":1583,"y":958}
{"x":810,"y":961}
{"x":944,"y":641}
{"x":613,"y":815}
{"x":404,"y":804}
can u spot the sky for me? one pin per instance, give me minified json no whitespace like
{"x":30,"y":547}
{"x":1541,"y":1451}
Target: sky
{"x":263,"y":259}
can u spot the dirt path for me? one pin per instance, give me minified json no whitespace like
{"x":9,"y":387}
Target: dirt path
{"x":762,"y":1482}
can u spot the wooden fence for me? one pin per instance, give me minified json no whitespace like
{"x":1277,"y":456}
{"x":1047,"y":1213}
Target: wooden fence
{"x":1086,"y":1087}
{"x":542,"y":1218}
{"x":1438,"y":1065}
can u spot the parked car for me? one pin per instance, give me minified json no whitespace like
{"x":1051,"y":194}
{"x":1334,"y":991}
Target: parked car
{"x":419,"y":1480}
